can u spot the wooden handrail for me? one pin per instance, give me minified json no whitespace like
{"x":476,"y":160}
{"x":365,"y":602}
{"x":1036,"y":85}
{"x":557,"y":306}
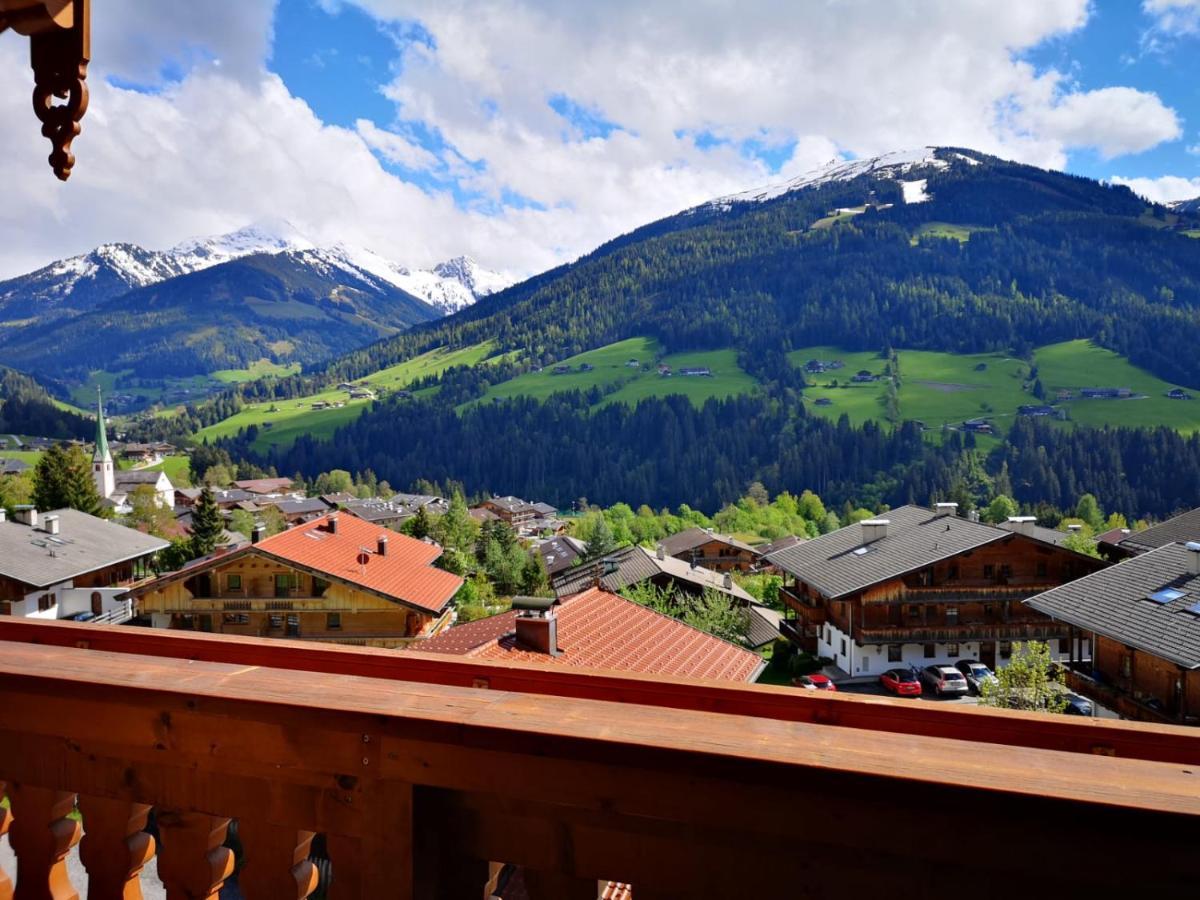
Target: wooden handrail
{"x":1163,"y":743}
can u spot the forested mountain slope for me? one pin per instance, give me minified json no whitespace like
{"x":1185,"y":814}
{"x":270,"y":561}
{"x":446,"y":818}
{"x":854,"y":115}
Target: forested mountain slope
{"x":988,"y":255}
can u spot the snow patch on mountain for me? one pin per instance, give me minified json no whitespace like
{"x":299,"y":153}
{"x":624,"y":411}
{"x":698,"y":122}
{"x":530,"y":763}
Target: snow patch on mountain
{"x":112,"y":269}
{"x":889,"y":165}
{"x":914,"y":191}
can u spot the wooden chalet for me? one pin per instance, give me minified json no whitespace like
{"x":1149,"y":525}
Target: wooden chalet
{"x":719,"y":552}
{"x":1143,"y":617}
{"x":67,"y":564}
{"x":513,"y":510}
{"x":336,"y":578}
{"x":921,"y":586}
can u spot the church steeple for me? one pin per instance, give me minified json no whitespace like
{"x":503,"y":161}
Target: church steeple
{"x":101,"y":434}
{"x":102,"y":461}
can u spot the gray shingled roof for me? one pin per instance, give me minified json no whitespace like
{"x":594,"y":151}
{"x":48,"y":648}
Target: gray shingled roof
{"x":916,"y":537}
{"x":764,"y":626}
{"x":1182,"y":528}
{"x":637,"y":564}
{"x":1114,"y":603}
{"x":136,"y":476}
{"x":83,"y":544}
{"x":633,"y":564}
{"x":1038,"y":532}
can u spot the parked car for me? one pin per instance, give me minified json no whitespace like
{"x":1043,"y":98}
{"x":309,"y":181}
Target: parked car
{"x":815,"y":683}
{"x":903,"y":682}
{"x":944,"y":680}
{"x":976,"y":673}
{"x":1078,"y":706}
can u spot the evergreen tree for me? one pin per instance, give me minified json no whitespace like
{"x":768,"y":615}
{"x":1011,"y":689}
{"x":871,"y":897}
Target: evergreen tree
{"x":419,"y":524}
{"x":601,"y":542}
{"x":207,"y":525}
{"x":63,"y":479}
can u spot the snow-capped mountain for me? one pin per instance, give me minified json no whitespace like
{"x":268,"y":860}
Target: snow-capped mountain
{"x":1186,"y":206}
{"x":81,"y":283}
{"x":893,"y":165}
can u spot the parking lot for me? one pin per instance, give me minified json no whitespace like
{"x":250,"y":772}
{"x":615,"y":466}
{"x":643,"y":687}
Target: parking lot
{"x":875,"y":689}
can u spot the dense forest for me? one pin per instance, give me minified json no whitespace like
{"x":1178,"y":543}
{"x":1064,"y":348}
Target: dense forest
{"x":26,"y":408}
{"x":664,"y":452}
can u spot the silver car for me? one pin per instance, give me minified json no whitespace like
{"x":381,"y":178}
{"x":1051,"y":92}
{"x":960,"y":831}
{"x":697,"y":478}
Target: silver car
{"x":976,"y":673}
{"x":943,"y":680}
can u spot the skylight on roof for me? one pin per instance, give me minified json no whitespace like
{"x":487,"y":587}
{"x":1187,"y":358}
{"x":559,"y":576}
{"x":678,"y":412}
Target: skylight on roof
{"x":1194,"y":609}
{"x":861,"y":551}
{"x":1166,"y":595}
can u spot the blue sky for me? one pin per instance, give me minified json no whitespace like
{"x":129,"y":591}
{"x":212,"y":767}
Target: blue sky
{"x":527,"y":132}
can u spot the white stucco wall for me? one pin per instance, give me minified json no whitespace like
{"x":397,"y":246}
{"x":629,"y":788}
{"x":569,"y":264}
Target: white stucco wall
{"x":859,"y":660}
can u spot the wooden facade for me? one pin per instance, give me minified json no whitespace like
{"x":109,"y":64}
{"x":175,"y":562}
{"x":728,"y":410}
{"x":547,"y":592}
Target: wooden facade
{"x":256,"y":595}
{"x":1139,"y":685}
{"x":720,"y":556}
{"x":973,"y":597}
{"x":418,"y":772}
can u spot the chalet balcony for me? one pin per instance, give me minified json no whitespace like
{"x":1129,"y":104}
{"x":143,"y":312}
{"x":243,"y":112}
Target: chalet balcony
{"x":964,"y":631}
{"x":416,"y":776}
{"x":978,"y":591}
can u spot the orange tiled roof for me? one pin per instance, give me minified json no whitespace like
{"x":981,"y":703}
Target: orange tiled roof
{"x":406,"y":573}
{"x":601,"y":630}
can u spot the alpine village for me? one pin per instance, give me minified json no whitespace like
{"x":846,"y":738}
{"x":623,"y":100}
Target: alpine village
{"x":838,"y":537}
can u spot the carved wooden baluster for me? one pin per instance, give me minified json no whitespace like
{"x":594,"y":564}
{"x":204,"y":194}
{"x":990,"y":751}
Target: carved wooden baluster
{"x":114,"y":848}
{"x":276,"y":862}
{"x":41,"y":837}
{"x":6,"y":886}
{"x":192,"y":862}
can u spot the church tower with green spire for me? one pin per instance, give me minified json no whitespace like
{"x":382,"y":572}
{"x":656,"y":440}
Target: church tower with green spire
{"x":102,"y":461}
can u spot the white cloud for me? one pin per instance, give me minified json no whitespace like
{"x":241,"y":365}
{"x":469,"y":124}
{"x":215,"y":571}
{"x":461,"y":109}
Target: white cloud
{"x":135,"y":39}
{"x":1174,"y":17}
{"x":228,"y":144}
{"x":1115,"y":121}
{"x":1162,"y":190}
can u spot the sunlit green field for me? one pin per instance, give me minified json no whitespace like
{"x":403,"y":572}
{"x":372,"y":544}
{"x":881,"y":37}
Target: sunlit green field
{"x":282,"y":421}
{"x":610,"y":368}
{"x":946,"y":388}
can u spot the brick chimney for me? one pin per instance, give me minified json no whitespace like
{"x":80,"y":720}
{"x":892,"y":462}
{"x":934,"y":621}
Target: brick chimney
{"x":382,"y":545}
{"x":946,"y":509}
{"x":50,"y":524}
{"x":874,"y":529}
{"x":660,"y":551}
{"x":537,"y":624}
{"x":26,"y":515}
{"x":332,"y":523}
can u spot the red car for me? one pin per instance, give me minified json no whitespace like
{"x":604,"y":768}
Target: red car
{"x":815,"y":683}
{"x":902,"y":682}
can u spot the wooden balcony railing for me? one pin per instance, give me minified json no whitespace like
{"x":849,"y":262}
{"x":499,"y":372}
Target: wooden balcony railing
{"x":418,"y":770}
{"x":963,"y":631}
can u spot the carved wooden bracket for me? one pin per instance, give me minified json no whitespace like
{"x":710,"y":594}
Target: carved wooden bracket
{"x":59,"y":33}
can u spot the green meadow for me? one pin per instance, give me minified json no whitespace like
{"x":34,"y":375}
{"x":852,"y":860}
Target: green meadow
{"x":609,"y":367}
{"x":946,"y":388}
{"x":282,"y":421}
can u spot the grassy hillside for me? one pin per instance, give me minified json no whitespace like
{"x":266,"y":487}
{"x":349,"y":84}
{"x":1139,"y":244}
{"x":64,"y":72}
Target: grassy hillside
{"x":282,"y":421}
{"x":944,"y":388}
{"x":609,"y":367}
